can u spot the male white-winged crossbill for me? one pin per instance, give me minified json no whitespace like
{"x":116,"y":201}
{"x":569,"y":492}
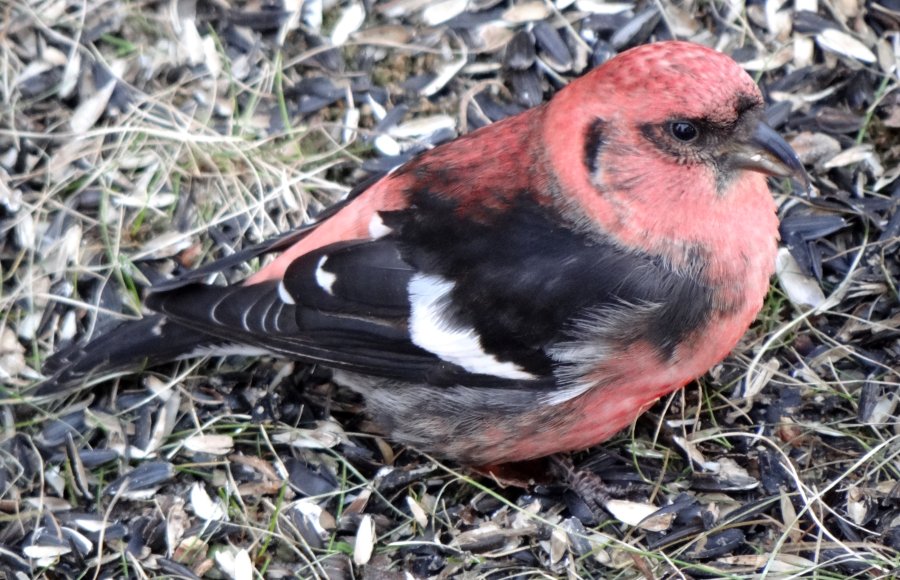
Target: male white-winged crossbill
{"x":526,"y":289}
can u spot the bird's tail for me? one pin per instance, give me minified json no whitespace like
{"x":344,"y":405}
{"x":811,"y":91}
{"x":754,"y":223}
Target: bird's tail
{"x":130,"y":346}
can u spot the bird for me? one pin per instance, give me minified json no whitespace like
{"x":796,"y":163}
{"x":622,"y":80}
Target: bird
{"x":527,"y":289}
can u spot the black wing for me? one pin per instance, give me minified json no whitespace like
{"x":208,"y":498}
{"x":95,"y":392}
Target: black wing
{"x":346,"y":306}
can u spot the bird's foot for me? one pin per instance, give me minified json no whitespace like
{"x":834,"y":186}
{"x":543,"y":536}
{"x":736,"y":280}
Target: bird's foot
{"x":589,"y":489}
{"x":587,"y":485}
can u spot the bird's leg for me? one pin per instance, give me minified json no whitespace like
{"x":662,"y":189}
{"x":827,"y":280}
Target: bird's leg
{"x":586,"y":484}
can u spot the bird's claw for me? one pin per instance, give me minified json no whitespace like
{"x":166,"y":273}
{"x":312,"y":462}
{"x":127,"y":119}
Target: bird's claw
{"x":587,"y":485}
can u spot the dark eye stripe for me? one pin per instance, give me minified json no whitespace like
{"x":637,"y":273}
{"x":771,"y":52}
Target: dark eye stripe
{"x":593,"y":142}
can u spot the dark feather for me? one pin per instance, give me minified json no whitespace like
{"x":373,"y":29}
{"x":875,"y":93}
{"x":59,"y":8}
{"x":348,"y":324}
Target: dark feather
{"x":129,"y":346}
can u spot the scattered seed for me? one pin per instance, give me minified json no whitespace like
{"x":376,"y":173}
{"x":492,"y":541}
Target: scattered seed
{"x":843,"y":44}
{"x":640,"y":515}
{"x":145,"y":476}
{"x":802,"y":290}
{"x":364,"y":544}
{"x":211,"y":444}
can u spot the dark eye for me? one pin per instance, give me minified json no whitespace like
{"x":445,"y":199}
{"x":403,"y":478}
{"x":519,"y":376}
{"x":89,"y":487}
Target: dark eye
{"x":684,"y":131}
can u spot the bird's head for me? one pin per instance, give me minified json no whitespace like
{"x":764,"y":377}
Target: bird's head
{"x":670,"y":104}
{"x":662,"y":141}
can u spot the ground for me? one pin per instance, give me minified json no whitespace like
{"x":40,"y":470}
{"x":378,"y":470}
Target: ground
{"x":140,"y":139}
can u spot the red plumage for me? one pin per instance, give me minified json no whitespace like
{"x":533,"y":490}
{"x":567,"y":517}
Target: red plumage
{"x":528,"y":288}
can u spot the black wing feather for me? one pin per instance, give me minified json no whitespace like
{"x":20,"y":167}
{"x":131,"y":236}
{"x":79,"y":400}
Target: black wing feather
{"x":360,"y":326}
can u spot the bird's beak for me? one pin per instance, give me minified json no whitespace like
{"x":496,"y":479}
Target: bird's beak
{"x":765,"y":151}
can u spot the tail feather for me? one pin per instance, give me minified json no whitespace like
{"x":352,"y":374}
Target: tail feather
{"x":128,"y":347}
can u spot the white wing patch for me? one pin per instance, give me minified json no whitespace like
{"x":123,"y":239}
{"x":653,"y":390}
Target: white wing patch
{"x":429,"y":329}
{"x":284,"y":294}
{"x":377,"y":229}
{"x":325,"y":279}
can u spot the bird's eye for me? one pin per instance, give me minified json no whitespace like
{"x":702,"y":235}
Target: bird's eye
{"x":684,"y":131}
